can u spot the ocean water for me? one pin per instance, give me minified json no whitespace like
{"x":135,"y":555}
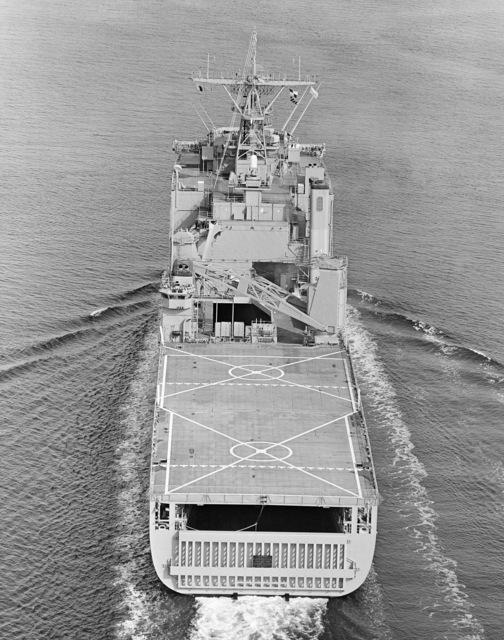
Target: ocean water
{"x":92,"y":95}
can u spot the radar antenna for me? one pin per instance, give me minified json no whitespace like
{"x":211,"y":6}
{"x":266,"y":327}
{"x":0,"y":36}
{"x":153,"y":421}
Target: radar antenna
{"x":247,"y":91}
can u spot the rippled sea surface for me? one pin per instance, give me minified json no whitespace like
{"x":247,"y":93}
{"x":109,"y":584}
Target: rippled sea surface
{"x":92,"y":95}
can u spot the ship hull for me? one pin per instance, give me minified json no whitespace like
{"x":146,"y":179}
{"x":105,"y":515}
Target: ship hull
{"x":315,"y":565}
{"x":262,"y":479}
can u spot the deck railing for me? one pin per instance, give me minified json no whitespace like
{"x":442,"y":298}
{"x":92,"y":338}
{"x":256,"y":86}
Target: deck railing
{"x":259,"y":562}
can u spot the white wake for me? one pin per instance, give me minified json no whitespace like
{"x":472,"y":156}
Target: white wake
{"x":257,"y":618}
{"x":408,"y":475}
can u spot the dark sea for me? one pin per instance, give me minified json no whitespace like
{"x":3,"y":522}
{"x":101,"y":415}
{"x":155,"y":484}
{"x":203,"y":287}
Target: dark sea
{"x":92,"y":95}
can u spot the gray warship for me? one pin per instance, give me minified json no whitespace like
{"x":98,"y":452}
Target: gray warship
{"x":262,"y":479}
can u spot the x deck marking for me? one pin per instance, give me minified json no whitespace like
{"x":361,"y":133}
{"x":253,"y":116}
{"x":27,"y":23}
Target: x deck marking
{"x":249,"y":372}
{"x":254,"y":373}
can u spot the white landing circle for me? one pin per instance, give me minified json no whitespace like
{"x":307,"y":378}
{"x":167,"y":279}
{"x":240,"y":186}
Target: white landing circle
{"x":256,"y":372}
{"x":261,"y":451}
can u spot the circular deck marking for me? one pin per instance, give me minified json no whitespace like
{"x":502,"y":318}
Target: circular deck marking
{"x":261,"y":451}
{"x":257,"y":372}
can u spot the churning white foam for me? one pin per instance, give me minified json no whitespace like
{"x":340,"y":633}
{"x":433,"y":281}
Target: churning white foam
{"x":407,"y":475}
{"x":258,"y":618}
{"x":365,"y":296}
{"x":480,"y":353}
{"x":430,"y":333}
{"x":97,"y":312}
{"x":137,"y":606}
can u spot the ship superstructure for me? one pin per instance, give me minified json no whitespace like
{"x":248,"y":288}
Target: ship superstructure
{"x":262,"y":480}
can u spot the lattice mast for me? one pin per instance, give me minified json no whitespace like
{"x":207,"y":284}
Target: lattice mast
{"x":253,"y":95}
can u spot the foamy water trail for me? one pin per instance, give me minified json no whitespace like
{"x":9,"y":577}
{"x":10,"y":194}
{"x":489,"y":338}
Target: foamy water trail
{"x":373,"y":614}
{"x":97,"y":312}
{"x":366,"y":296}
{"x":258,"y":618}
{"x":451,"y":367}
{"x":137,"y":605}
{"x":408,"y":473}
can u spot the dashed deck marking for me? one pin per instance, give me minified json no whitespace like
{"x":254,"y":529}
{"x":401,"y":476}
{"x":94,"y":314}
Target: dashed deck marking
{"x":251,"y":372}
{"x":241,"y":459}
{"x":336,"y":486}
{"x":265,"y":384}
{"x":212,"y":473}
{"x":262,"y":466}
{"x":241,"y":355}
{"x":271,"y":377}
{"x":325,"y":393}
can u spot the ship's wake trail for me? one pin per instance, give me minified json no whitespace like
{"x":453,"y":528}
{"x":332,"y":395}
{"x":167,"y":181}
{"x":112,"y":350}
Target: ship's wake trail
{"x":406,"y":475}
{"x":136,"y":602}
{"x":131,"y":525}
{"x":446,"y":344}
{"x":144,"y":611}
{"x":258,"y":618}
